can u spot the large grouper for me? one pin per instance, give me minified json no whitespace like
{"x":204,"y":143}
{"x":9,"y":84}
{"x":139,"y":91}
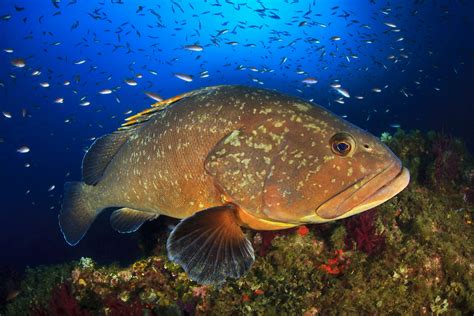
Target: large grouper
{"x":226,"y":157}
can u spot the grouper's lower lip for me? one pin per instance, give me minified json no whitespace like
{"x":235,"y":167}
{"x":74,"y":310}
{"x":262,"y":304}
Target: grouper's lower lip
{"x":386,"y":192}
{"x":373,"y":191}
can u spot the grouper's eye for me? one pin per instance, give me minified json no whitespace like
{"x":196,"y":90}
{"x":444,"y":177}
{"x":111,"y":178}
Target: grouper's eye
{"x":342,"y":144}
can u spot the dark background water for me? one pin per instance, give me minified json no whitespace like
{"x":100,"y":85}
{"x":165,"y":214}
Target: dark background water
{"x":120,"y":40}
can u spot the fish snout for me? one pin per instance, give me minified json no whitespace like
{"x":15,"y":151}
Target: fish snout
{"x":366,"y":193}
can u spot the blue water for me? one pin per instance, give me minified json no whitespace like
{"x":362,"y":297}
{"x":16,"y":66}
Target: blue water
{"x":422,"y":63}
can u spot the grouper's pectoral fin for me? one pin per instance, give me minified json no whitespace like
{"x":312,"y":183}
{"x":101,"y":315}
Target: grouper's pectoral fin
{"x":210,"y":246}
{"x":126,"y":220}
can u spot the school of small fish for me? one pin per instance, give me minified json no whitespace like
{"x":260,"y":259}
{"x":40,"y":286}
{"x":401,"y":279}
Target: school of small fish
{"x":109,"y":57}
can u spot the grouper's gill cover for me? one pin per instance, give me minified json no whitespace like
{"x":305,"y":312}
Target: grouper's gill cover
{"x":225,"y":157}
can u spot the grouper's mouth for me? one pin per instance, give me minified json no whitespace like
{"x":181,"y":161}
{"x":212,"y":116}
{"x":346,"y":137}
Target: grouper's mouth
{"x":366,"y":193}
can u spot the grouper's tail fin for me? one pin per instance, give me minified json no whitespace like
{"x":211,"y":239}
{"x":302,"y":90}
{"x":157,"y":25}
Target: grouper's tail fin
{"x":78,"y":211}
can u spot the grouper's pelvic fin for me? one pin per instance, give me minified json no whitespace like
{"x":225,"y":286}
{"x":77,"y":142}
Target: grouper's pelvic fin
{"x":210,"y":246}
{"x":127,"y":220}
{"x":78,"y":211}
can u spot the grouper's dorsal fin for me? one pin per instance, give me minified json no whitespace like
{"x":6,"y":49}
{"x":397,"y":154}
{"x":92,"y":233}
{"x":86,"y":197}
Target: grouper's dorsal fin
{"x":145,"y":115}
{"x":100,"y":154}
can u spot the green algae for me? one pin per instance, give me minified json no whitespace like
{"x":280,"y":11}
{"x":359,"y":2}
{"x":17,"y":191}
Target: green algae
{"x":425,"y":267}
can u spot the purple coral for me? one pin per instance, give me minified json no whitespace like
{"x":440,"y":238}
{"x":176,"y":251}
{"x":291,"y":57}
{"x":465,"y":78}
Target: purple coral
{"x":268,"y":236}
{"x":468,"y":195}
{"x":62,"y":303}
{"x":117,"y":307}
{"x":361,"y":231}
{"x":188,"y":307}
{"x":448,"y":159}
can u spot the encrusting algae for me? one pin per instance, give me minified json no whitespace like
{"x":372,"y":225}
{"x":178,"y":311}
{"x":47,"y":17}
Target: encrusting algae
{"x":412,"y":255}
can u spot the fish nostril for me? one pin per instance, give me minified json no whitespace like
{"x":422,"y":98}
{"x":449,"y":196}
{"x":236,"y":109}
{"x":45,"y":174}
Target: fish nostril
{"x":367,"y":148}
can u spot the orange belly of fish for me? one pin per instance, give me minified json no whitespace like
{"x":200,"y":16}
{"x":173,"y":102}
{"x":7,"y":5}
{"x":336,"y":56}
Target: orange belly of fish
{"x":253,"y":222}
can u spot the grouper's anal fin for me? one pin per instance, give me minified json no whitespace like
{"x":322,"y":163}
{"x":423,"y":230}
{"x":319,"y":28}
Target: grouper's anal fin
{"x":100,"y":154}
{"x":126,"y":220}
{"x":210,"y":246}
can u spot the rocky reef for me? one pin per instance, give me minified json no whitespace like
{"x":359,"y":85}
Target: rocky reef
{"x":412,"y":255}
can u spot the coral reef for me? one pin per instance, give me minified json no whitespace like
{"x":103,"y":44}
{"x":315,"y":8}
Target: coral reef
{"x":413,"y":254}
{"x":37,"y":287}
{"x":263,"y":241}
{"x":9,"y":284}
{"x":62,"y":303}
{"x":448,"y":161}
{"x":361,"y":230}
{"x":436,"y":160}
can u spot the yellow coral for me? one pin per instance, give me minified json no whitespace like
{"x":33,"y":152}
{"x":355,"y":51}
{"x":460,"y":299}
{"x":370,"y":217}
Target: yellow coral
{"x":124,"y":296}
{"x":139,"y":266}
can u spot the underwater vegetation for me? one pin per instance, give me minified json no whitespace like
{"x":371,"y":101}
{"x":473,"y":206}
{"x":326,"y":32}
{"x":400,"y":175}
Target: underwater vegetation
{"x":361,"y":232}
{"x":411,"y":255}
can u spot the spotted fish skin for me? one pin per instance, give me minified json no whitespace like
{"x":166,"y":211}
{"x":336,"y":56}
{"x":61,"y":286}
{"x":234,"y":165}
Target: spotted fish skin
{"x":227,"y":157}
{"x":267,"y":152}
{"x":161,"y":166}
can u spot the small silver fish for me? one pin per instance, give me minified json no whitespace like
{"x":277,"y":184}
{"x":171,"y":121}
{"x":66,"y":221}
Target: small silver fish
{"x":18,"y":62}
{"x":154,"y":96}
{"x":184,"y":77}
{"x":390,"y":25}
{"x":310,"y":80}
{"x":23,"y":150}
{"x":343,"y":92}
{"x":131,"y":82}
{"x":105,"y":91}
{"x":194,"y":48}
